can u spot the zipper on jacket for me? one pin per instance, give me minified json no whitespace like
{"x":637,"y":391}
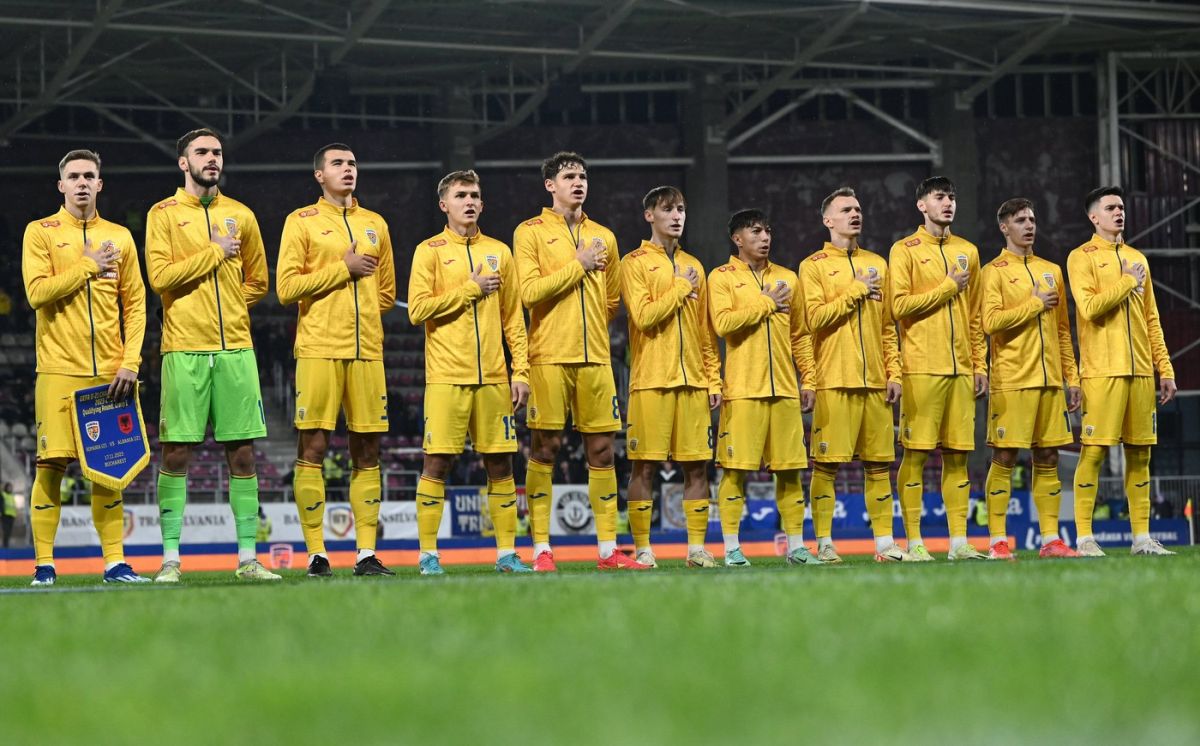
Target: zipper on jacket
{"x":475,"y":313}
{"x":216,"y":281}
{"x":679,"y":319}
{"x":354,"y":286}
{"x":767,"y":321}
{"x":1128,"y":322}
{"x":582,"y":285}
{"x":1041,"y":338}
{"x":950,"y":308}
{"x":91,"y":318}
{"x":862,"y":347}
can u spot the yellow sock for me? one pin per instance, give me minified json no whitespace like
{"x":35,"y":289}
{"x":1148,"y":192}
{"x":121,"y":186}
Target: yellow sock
{"x":502,"y":507}
{"x":640,"y":513}
{"x":789,"y":498}
{"x":877,"y":491}
{"x":538,"y":489}
{"x":998,"y":488}
{"x":431,"y":500}
{"x":602,"y":493}
{"x":108,"y":516}
{"x":823,"y":498}
{"x":1047,"y":493}
{"x":1137,"y":488}
{"x":309,"y":488}
{"x":911,"y":479}
{"x":956,"y":491}
{"x":45,"y":508}
{"x":696,"y":516}
{"x":731,"y":503}
{"x":1087,"y":478}
{"x":366,"y":494}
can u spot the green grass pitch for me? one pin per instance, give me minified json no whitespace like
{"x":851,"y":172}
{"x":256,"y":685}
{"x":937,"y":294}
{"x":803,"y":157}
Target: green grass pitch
{"x":1096,"y":651}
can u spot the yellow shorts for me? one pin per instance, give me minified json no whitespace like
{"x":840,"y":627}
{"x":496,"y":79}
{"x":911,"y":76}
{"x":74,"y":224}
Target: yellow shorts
{"x":325,"y":386}
{"x":669,"y":423}
{"x":485,"y":411}
{"x":52,"y":410}
{"x":853,"y":425}
{"x":937,"y":411}
{"x":1029,"y":418}
{"x":1119,"y":410}
{"x":754,"y":432}
{"x":585,"y":390}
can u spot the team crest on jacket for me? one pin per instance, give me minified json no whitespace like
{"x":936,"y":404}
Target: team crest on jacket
{"x":372,"y":236}
{"x":962,"y":262}
{"x":1049,"y":278}
{"x":230,"y":226}
{"x":872,"y":272}
{"x":493,"y":261}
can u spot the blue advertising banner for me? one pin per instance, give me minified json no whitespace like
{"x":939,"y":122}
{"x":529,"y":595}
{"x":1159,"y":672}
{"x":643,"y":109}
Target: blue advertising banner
{"x":110,"y":436}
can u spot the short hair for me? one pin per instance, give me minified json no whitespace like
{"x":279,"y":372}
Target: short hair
{"x":560,"y":160}
{"x":1093,"y":197}
{"x":660,"y":194}
{"x":746,"y":218}
{"x":181,"y":145}
{"x":319,"y":157}
{"x":839,"y":192}
{"x":934,"y":184}
{"x":456,"y":177}
{"x":1012,"y":207}
{"x":78,"y":155}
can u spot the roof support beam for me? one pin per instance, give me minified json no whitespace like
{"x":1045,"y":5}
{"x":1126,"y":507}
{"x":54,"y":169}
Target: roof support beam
{"x":45,"y":101}
{"x":129,"y":126}
{"x":229,"y":73}
{"x":966,"y":98}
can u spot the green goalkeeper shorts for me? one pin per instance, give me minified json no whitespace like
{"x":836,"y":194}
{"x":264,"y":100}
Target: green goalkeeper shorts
{"x":217,"y":387}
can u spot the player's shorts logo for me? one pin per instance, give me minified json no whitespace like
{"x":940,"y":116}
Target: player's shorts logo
{"x":962,"y":262}
{"x":92,"y":428}
{"x":300,"y":413}
{"x":1089,"y":430}
{"x":230,"y":226}
{"x":633,"y":443}
{"x":1000,"y":432}
{"x":908,"y":432}
{"x":823,"y":447}
{"x":493,"y":261}
{"x":372,"y":236}
{"x":729,"y":451}
{"x":533,"y":413}
{"x":340,"y":521}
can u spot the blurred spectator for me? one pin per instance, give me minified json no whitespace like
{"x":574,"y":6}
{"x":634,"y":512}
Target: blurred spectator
{"x":8,"y":512}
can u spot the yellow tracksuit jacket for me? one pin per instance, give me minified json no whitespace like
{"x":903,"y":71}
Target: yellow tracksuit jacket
{"x":339,"y":318}
{"x":1119,"y":329}
{"x":853,"y":336}
{"x":206,"y":297}
{"x":464,"y":331}
{"x":1031,"y":346}
{"x":569,"y":309}
{"x":940,"y":330}
{"x":79,"y":325}
{"x":763,"y":348}
{"x":669,"y":332}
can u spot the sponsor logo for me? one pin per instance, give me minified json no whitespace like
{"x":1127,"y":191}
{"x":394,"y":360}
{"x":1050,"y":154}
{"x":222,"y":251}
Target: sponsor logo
{"x":125,"y":423}
{"x":340,"y":521}
{"x":493,"y":261}
{"x":535,"y":221}
{"x":739,"y":285}
{"x":42,"y":507}
{"x":1001,"y":263}
{"x":326,"y":233}
{"x":1014,"y":280}
{"x":64,"y":243}
{"x":1103,"y":264}
{"x":186,"y":222}
{"x":281,"y":556}
{"x":165,"y":205}
{"x":437,"y":242}
{"x":307,"y":213}
{"x":372,"y":236}
{"x":92,"y":428}
{"x":50,"y":223}
{"x":924,"y":261}
{"x":653,"y":269}
{"x":574,"y":511}
{"x":112,"y":505}
{"x":448,"y":262}
{"x":551,"y":240}
{"x":834,"y":272}
{"x":913,"y":242}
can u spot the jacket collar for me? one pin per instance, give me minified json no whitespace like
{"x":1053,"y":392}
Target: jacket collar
{"x":66,"y":217}
{"x":549,"y":215}
{"x":736,"y":261}
{"x":184,"y":197}
{"x":454,"y":237}
{"x":1015,"y":257}
{"x":326,"y":207}
{"x":829,"y":248}
{"x":1104,"y":242}
{"x":928,"y":237}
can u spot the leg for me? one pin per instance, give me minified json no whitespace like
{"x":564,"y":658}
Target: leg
{"x":824,"y":500}
{"x":640,"y":499}
{"x":543,"y":450}
{"x":108,"y":516}
{"x":877,"y":493}
{"x":431,"y":503}
{"x":695,"y":505}
{"x":956,"y":493}
{"x":602,"y":489}
{"x":912,"y":494}
{"x":45,"y":502}
{"x":502,"y":504}
{"x":1047,"y":491}
{"x":1087,"y":478}
{"x":789,"y":497}
{"x":997,"y":489}
{"x":308,"y":488}
{"x":366,"y":492}
{"x":1137,"y":490}
{"x":731,"y":504}
{"x":243,"y":496}
{"x":172,"y":498}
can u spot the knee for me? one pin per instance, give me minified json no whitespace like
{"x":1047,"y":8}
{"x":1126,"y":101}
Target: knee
{"x":600,"y":452}
{"x":1045,"y":457}
{"x":436,"y":466}
{"x":364,"y":451}
{"x":544,"y":446}
{"x":1006,"y":457}
{"x":312,"y":446}
{"x":695,"y":472}
{"x":176,"y":458}
{"x":640,"y":474}
{"x":241,"y":459}
{"x":497,"y":466}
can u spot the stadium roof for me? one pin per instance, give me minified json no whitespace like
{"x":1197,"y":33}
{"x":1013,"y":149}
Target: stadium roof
{"x":277,"y":59}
